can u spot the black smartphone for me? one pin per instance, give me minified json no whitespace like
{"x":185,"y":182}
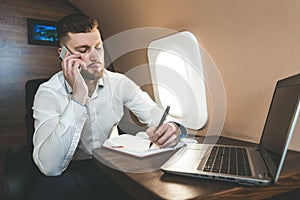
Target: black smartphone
{"x":63,"y":52}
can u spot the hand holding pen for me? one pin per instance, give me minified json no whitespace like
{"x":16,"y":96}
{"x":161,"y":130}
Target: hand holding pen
{"x":163,"y":118}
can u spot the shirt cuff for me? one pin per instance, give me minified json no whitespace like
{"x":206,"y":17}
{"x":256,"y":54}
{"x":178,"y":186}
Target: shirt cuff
{"x":182,"y":129}
{"x":83,"y":105}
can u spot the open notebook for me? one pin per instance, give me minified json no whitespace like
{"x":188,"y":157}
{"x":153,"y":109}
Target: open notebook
{"x":137,"y":145}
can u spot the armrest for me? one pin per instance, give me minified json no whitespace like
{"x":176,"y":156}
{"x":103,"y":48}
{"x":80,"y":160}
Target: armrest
{"x":19,"y":172}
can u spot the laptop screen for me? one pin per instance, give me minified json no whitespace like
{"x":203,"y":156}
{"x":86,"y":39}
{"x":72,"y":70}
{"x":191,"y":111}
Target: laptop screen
{"x":281,"y":121}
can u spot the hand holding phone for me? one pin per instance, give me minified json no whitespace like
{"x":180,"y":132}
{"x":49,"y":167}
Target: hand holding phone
{"x":63,"y":53}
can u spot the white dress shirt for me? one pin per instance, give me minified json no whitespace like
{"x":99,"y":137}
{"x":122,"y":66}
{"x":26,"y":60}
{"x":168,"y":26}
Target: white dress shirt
{"x":66,"y":130}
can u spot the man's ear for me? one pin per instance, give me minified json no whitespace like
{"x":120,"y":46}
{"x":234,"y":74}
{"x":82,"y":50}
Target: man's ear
{"x":59,"y":50}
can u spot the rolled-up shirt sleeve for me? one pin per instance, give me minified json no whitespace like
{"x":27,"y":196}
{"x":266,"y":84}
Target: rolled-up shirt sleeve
{"x":58,"y":126}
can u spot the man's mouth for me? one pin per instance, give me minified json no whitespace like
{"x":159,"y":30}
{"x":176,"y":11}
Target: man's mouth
{"x":95,"y":65}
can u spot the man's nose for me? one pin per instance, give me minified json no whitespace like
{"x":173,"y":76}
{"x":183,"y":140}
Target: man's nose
{"x":94,"y":55}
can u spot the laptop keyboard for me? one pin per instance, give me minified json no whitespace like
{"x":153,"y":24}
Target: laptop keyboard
{"x":228,"y":160}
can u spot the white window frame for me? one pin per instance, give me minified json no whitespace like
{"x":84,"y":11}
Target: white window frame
{"x":189,"y":90}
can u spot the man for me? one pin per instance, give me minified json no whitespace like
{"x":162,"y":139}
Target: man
{"x":77,"y":109}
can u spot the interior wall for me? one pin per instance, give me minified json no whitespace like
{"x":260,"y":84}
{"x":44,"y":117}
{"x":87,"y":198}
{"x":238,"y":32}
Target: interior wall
{"x":21,"y":61}
{"x":253,"y":43}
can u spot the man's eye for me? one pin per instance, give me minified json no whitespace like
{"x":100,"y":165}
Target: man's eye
{"x":82,"y":51}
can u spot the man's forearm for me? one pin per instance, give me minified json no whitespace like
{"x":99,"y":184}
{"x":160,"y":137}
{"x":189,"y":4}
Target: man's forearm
{"x":56,"y":140}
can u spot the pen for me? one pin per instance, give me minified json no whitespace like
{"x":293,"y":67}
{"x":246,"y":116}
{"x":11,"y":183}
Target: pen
{"x":161,"y":121}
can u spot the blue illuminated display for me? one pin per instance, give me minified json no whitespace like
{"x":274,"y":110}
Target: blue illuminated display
{"x":45,"y":33}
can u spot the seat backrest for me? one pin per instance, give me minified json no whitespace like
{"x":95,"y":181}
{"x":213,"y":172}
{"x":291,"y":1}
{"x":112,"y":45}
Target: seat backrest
{"x":31,"y":87}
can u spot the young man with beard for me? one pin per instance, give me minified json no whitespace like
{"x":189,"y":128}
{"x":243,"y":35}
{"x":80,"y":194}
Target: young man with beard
{"x":77,"y":109}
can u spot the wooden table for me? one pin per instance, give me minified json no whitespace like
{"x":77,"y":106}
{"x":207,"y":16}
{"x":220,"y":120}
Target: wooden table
{"x":155,"y":184}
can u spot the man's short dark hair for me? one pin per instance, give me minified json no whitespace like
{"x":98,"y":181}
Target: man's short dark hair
{"x":74,"y":23}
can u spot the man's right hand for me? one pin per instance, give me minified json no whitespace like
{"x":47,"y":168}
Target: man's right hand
{"x":71,"y":65}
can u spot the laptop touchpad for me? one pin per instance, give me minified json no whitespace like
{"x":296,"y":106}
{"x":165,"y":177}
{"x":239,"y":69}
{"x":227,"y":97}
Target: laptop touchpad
{"x":189,"y":157}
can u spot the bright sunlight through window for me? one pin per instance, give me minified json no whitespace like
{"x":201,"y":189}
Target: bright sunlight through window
{"x":176,"y":63}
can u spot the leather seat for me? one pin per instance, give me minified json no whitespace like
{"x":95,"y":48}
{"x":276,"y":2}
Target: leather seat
{"x":19,"y":170}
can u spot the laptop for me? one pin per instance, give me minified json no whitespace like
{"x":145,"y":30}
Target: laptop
{"x":259,"y":165}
